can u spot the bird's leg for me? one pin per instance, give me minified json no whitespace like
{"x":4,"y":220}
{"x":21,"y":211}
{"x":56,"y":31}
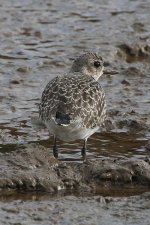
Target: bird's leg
{"x":83,"y":151}
{"x":55,"y":149}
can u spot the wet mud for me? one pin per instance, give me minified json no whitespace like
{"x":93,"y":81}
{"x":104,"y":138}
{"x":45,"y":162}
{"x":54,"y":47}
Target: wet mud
{"x":39,"y":40}
{"x":32,"y":168}
{"x":37,"y":188}
{"x":78,"y":210}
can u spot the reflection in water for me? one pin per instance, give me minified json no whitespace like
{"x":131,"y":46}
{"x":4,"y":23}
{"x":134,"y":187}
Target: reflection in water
{"x":8,"y":196}
{"x":114,"y":145}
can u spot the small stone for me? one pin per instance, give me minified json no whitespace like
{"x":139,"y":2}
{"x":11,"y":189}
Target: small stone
{"x":23,"y":69}
{"x":125,"y":82}
{"x":15,"y":82}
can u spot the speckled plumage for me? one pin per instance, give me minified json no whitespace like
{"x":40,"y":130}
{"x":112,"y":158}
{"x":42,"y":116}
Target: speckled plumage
{"x":80,"y":96}
{"x":73,"y":106}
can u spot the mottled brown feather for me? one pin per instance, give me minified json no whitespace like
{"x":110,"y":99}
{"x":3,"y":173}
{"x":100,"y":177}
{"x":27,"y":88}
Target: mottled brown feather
{"x":77,"y":95}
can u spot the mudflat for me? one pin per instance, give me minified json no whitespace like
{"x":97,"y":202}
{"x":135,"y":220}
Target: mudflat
{"x":39,"y":40}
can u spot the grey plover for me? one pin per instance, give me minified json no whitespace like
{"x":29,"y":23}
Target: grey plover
{"x":73,"y":105}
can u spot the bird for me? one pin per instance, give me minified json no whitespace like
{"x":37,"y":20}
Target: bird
{"x":73,"y":105}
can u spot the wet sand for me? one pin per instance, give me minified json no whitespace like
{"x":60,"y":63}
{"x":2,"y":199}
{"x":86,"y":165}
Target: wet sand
{"x":39,"y":41}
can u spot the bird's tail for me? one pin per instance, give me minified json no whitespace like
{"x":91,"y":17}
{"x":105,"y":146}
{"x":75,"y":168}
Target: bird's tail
{"x":62,"y":119}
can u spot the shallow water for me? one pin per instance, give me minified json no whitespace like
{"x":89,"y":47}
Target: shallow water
{"x":39,"y":40}
{"x":114,"y":145}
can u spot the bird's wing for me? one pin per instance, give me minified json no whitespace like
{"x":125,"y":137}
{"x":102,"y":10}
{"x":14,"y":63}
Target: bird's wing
{"x":78,"y":96}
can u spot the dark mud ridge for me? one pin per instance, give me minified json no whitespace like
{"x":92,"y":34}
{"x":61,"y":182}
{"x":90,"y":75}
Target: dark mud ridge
{"x":32,"y":168}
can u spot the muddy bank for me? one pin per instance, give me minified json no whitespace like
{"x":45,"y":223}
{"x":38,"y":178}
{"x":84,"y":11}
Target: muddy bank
{"x":32,"y":168}
{"x":73,"y":210}
{"x":39,"y":41}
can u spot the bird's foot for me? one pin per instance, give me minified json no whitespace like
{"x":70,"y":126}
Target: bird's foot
{"x":83,"y":153}
{"x":55,"y":152}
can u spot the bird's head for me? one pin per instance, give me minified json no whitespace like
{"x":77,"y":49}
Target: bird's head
{"x":90,"y":64}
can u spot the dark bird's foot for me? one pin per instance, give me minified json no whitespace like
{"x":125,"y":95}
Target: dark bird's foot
{"x":55,"y":152}
{"x":55,"y":149}
{"x":83,"y":151}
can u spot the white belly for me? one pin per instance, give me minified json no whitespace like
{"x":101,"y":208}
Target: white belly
{"x":70,"y":132}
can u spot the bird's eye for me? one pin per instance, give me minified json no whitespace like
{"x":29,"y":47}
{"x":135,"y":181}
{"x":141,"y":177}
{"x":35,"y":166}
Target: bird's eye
{"x":97,"y":64}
